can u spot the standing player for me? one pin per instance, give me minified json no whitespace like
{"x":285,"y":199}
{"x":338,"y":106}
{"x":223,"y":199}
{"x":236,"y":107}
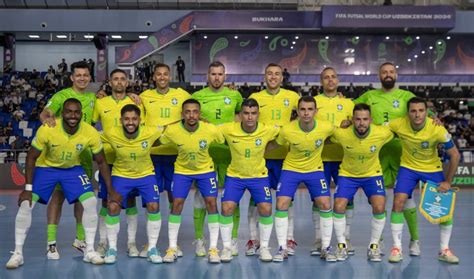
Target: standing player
{"x":55,"y":158}
{"x":389,"y":103}
{"x":247,"y":141}
{"x":219,"y":105}
{"x":133,"y":170}
{"x":107,"y":111}
{"x":163,"y":107}
{"x":337,"y":110}
{"x":303,"y":164}
{"x":276,"y":106}
{"x":192,"y":138}
{"x":420,"y":162}
{"x":360,"y":168}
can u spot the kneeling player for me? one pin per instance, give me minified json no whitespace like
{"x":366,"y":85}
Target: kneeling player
{"x":133,"y":170}
{"x":55,"y":158}
{"x":360,"y":168}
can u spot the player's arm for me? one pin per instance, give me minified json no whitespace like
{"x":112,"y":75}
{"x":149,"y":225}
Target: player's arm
{"x":454,"y":158}
{"x":135,"y":98}
{"x":47,"y":117}
{"x":105,"y":173}
{"x":27,"y":194}
{"x":271,"y":145}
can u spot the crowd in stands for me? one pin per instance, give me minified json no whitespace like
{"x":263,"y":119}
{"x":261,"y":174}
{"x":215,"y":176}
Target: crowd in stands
{"x":24,"y":94}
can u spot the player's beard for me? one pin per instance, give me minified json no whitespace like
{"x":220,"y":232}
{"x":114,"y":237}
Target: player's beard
{"x":131,"y":133}
{"x":388,"y":83}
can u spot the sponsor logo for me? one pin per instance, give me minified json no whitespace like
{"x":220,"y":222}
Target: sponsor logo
{"x":151,"y":102}
{"x":349,"y":147}
{"x":119,"y":146}
{"x":267,"y":19}
{"x":234,"y":141}
{"x":55,"y":145}
{"x":107,"y":111}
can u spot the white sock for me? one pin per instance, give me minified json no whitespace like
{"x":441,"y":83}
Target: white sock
{"x":226,"y":233}
{"x":377,"y":228}
{"x":409,"y":203}
{"x":340,"y":227}
{"x":213,"y":226}
{"x":102,"y":227}
{"x":397,"y":230}
{"x":112,"y":233}
{"x":252,"y":216}
{"x":291,"y":223}
{"x":89,"y":221}
{"x":349,"y":216}
{"x":22,"y":224}
{"x":445,"y":236}
{"x":173,"y":231}
{"x":326,"y":228}
{"x":281,"y":228}
{"x":317,"y":224}
{"x":265,"y":226}
{"x":153,"y":231}
{"x":132,"y":223}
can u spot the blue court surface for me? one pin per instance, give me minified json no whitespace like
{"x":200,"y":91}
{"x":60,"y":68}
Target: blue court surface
{"x":302,"y":265}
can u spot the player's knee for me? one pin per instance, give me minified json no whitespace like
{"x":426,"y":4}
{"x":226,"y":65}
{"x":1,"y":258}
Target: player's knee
{"x":153,"y":207}
{"x":283,"y":203}
{"x":211,"y":205}
{"x":378,"y":209}
{"x":340,"y":207}
{"x":228,"y":208}
{"x":113,"y":208}
{"x":398,"y":203}
{"x":265,"y":209}
{"x":324,"y":204}
{"x":178,"y":206}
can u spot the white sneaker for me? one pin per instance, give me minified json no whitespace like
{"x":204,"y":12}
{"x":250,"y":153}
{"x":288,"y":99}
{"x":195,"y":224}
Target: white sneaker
{"x":213,"y":256}
{"x":132,"y":250}
{"x":110,"y":256}
{"x":291,"y":245}
{"x":373,"y":253}
{"x":101,"y":249}
{"x":265,"y":255}
{"x":341,"y":252}
{"x":281,"y":255}
{"x":15,"y":261}
{"x":252,"y":247}
{"x":93,"y":257}
{"x":154,"y":256}
{"x":414,"y":248}
{"x":316,"y":249}
{"x":350,"y":249}
{"x":235,"y":247}
{"x":170,"y":256}
{"x":328,"y":255}
{"x":226,"y":255}
{"x":144,"y":252}
{"x":200,"y":247}
{"x":52,"y":253}
{"x":79,"y":245}
{"x":179,"y":252}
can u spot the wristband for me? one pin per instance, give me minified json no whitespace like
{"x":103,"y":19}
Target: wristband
{"x":29,"y":187}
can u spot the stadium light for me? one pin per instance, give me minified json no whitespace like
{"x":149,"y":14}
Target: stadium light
{"x":116,"y":37}
{"x":34,"y":36}
{"x":61,"y":36}
{"x":88,"y":36}
{"x":143,"y":37}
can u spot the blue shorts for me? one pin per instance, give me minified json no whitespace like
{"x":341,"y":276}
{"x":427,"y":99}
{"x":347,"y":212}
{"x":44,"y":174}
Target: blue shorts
{"x":74,"y":182}
{"x":348,"y":186}
{"x":146,"y":186}
{"x":274,"y":171}
{"x":314,"y":181}
{"x":103,"y":193}
{"x":331,"y":170}
{"x":206,"y":183}
{"x":407,"y":179}
{"x":258,"y":187}
{"x":164,"y":170}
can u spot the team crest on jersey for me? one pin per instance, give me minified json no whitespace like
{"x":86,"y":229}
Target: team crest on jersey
{"x":425,"y":145}
{"x":318,"y":143}
{"x":373,"y":148}
{"x":91,"y":104}
{"x":258,"y":142}
{"x":144,"y":144}
{"x":396,"y":104}
{"x":202,"y":144}
{"x":286,"y":102}
{"x":227,"y":100}
{"x":174,"y":101}
{"x":79,"y":147}
{"x":340,"y":107}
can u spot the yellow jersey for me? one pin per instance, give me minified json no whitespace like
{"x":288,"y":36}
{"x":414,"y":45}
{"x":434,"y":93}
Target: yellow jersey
{"x":420,"y":148}
{"x":361,"y":156}
{"x":162,"y":110}
{"x":247,"y":149}
{"x":305,"y":147}
{"x":62,"y":150}
{"x":276,"y":110}
{"x":132,"y":156}
{"x":193,"y":147}
{"x":107,"y":111}
{"x":335,"y":110}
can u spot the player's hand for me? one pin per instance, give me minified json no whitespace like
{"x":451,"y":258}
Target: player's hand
{"x":50,"y":121}
{"x":444,"y":186}
{"x":437,"y":121}
{"x":100,"y":94}
{"x":47,"y":117}
{"x":114,"y":196}
{"x":135,"y":98}
{"x":345,"y":123}
{"x":25,"y":196}
{"x":341,"y":95}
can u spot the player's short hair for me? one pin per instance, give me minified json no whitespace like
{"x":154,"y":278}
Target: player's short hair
{"x":385,"y":64}
{"x":216,"y":64}
{"x":80,"y":65}
{"x":72,"y":101}
{"x":360,"y":107}
{"x":118,"y":71}
{"x":307,"y":99}
{"x":191,"y":101}
{"x":417,"y":100}
{"x":251,"y":102}
{"x":129,"y":108}
{"x":273,"y":65}
{"x":326,"y":69}
{"x":161,"y":65}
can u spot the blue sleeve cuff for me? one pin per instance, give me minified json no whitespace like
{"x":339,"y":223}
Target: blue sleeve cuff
{"x":449,"y":145}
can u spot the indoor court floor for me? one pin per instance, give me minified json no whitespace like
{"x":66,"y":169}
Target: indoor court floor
{"x":302,"y":265}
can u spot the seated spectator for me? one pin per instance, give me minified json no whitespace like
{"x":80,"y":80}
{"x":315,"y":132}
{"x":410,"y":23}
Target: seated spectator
{"x":18,"y":114}
{"x":4,"y":144}
{"x":34,"y":115}
{"x":26,"y":144}
{"x":50,"y":75}
{"x":461,"y":142}
{"x":8,"y":130}
{"x":17,"y":143}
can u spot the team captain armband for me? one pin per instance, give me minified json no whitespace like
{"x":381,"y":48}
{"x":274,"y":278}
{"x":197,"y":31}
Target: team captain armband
{"x":449,"y":145}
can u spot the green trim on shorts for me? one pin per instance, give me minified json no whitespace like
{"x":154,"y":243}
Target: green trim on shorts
{"x":265,"y":220}
{"x":153,"y":216}
{"x":86,"y":196}
{"x":34,"y":197}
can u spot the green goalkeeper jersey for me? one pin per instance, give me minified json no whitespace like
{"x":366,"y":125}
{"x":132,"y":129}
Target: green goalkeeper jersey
{"x":218,"y":107}
{"x":87,"y":99}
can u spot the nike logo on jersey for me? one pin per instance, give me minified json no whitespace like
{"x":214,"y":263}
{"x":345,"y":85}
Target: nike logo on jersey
{"x":374,"y":103}
{"x":156,"y":198}
{"x":179,"y":145}
{"x":119,"y":146}
{"x":234,"y":141}
{"x":55,"y":145}
{"x":295,"y":144}
{"x":268,"y":198}
{"x":349,"y":147}
{"x":106,"y":111}
{"x":263,"y":106}
{"x":205,"y":102}
{"x":87,"y":187}
{"x":151,"y":102}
